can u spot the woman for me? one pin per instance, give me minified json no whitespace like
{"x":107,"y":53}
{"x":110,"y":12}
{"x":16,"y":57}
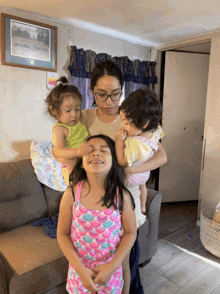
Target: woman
{"x":106,"y":87}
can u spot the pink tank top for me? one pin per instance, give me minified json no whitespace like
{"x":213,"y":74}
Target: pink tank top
{"x":95,"y":233}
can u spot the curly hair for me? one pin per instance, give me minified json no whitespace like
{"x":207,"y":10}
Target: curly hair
{"x":142,"y":106}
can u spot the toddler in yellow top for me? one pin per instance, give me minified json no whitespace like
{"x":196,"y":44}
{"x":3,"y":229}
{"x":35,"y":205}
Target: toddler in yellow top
{"x":138,"y":138}
{"x":64,"y":104}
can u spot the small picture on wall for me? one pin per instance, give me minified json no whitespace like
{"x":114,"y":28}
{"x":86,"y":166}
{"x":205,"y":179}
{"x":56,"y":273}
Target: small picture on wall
{"x":30,"y":41}
{"x":28,"y":44}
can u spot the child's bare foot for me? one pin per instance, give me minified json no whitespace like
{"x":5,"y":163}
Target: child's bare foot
{"x":143,"y":209}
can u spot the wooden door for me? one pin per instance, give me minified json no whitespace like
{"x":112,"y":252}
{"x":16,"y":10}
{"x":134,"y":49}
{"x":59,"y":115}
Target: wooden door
{"x":184,"y":100}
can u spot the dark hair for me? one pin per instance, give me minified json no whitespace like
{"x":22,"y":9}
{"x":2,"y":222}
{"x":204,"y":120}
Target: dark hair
{"x":113,"y":180}
{"x":142,"y":106}
{"x":103,"y":68}
{"x":60,"y":92}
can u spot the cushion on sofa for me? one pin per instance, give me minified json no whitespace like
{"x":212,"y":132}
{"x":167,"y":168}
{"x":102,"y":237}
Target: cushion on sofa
{"x":59,"y":289}
{"x":47,"y":169}
{"x":21,"y":195}
{"x":26,"y":271}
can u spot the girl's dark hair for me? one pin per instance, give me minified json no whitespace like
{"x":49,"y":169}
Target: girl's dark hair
{"x":113,"y":180}
{"x":142,"y":106}
{"x":109,"y":68}
{"x":60,"y":92}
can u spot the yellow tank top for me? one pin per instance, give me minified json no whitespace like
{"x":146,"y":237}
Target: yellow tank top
{"x":77,"y":134}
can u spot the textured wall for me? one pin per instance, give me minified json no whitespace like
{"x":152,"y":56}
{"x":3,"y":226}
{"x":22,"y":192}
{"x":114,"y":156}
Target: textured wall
{"x":22,"y":91}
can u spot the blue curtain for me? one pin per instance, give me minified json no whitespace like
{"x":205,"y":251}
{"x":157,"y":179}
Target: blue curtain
{"x":130,"y":87}
{"x":83,"y":85}
{"x":137,"y":74}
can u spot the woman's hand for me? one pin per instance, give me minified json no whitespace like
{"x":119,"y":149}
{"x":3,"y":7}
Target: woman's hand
{"x":104,"y":273}
{"x":128,"y":172}
{"x":87,"y":277}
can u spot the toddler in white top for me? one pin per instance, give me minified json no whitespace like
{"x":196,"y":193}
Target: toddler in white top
{"x":138,"y":138}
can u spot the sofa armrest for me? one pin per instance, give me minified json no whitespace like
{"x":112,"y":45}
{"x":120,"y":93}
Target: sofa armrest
{"x":3,"y":283}
{"x":151,"y":194}
{"x":149,"y":248}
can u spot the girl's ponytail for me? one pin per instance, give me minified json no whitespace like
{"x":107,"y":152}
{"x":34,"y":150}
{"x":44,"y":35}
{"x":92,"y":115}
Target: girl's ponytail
{"x":63,"y":80}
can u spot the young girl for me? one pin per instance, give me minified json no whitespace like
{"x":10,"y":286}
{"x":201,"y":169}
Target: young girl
{"x":92,"y":211}
{"x":64,"y":104}
{"x":138,"y":139}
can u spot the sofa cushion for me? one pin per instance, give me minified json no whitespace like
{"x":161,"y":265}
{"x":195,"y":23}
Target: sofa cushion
{"x":21,"y":195}
{"x":33,"y":262}
{"x":53,"y":200}
{"x":59,"y":289}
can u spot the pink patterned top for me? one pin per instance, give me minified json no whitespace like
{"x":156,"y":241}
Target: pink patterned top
{"x":95,"y":235}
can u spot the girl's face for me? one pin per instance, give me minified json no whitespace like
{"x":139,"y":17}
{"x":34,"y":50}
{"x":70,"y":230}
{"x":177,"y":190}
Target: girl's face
{"x":128,"y":126}
{"x":99,"y":160}
{"x":70,"y":110}
{"x":107,"y":85}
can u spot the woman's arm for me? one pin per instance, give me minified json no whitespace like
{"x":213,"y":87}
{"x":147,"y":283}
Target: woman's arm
{"x":121,"y":135}
{"x":104,"y":272}
{"x":159,"y":158}
{"x":65,"y":242}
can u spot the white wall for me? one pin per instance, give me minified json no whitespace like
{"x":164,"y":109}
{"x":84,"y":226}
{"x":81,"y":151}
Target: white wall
{"x":22,"y":91}
{"x":210,"y":175}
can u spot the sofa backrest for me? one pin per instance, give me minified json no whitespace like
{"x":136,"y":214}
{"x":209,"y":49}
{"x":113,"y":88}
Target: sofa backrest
{"x":21,"y":195}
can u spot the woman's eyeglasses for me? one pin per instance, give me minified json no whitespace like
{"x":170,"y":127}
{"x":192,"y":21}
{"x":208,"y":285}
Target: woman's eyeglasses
{"x":102,"y":97}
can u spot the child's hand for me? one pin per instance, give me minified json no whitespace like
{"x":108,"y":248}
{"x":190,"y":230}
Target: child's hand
{"x":104,"y":273}
{"x":87,"y":277}
{"x":85,"y":148}
{"x":121,"y":135}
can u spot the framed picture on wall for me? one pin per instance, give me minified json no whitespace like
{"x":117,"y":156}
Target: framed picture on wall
{"x":30,"y":44}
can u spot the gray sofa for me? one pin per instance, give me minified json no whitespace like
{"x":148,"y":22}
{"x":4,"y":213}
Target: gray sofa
{"x":30,"y":261}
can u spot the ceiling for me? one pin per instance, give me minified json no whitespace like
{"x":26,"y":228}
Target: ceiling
{"x":145,"y":22}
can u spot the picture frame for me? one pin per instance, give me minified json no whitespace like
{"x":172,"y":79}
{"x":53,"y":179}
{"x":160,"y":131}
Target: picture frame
{"x":29,"y":44}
